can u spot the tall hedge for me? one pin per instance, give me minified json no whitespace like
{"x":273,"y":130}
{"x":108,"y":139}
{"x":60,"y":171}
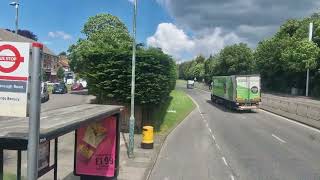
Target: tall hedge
{"x":109,"y":75}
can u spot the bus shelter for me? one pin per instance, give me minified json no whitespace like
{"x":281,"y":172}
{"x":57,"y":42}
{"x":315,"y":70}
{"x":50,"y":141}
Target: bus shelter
{"x":97,"y":140}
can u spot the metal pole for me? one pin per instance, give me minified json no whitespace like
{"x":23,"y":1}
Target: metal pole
{"x":19,"y":165}
{"x":1,"y":164}
{"x":132,"y":120}
{"x":17,"y":16}
{"x":308,"y":71}
{"x":34,"y":119}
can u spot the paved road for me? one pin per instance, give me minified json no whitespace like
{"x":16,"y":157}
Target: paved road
{"x":64,"y":100}
{"x":221,"y":144}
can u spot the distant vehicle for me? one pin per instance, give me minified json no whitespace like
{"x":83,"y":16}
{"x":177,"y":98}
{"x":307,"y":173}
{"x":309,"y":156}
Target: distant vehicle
{"x":83,"y":82}
{"x":77,"y":87}
{"x":69,"y":78}
{"x":190,"y":84}
{"x":241,"y":92}
{"x":44,"y":92}
{"x":59,"y":88}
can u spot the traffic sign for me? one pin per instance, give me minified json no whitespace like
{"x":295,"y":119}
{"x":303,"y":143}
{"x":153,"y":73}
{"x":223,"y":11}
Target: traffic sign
{"x":14,"y":73}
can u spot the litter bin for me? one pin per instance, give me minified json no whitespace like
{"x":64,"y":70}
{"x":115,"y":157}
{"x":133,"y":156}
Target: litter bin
{"x":147,"y":137}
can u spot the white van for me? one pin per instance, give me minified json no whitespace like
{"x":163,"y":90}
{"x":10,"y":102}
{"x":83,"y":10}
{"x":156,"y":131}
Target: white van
{"x":190,"y":84}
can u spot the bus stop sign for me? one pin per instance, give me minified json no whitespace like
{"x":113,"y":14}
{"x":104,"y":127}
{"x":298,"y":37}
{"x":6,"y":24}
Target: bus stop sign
{"x":14,"y":73}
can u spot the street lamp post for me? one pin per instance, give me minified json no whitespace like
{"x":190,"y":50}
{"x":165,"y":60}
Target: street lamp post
{"x":16,"y":5}
{"x":132,"y":119}
{"x":308,"y":71}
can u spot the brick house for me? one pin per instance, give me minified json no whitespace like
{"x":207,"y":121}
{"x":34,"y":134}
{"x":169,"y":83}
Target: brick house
{"x":50,"y":60}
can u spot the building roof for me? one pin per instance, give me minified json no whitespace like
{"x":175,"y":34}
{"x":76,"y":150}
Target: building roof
{"x":64,"y":62}
{"x":9,"y":36}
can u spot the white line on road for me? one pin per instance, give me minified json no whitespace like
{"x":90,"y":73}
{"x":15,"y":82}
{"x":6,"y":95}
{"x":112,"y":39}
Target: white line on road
{"x":210,"y":130}
{"x":214,"y":138}
{"x":232,"y":177}
{"x":279,"y":139}
{"x":218,"y":147}
{"x":225,"y":161}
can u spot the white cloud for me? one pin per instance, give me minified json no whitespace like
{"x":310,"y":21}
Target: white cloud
{"x":176,"y":42}
{"x":60,"y":34}
{"x":252,"y":20}
{"x":171,"y":40}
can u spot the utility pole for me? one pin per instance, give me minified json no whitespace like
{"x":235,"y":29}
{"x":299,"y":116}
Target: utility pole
{"x":17,"y":16}
{"x":16,"y":5}
{"x":132,"y":119}
{"x":308,"y":71}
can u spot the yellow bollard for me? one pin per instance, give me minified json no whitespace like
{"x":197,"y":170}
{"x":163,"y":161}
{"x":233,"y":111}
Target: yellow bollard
{"x":147,"y":137}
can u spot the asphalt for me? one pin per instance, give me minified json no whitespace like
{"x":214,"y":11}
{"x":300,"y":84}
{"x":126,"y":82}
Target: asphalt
{"x":216,"y":143}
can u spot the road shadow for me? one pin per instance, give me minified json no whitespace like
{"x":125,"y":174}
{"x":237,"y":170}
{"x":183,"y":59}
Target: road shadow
{"x":81,"y":92}
{"x":221,"y":107}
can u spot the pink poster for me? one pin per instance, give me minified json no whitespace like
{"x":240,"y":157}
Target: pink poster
{"x":96,"y":149}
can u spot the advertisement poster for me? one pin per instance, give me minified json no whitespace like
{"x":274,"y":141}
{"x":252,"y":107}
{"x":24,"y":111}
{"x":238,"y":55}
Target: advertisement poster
{"x":44,"y":155}
{"x":96,"y":149}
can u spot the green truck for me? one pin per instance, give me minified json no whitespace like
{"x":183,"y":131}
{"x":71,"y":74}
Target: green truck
{"x":241,"y":92}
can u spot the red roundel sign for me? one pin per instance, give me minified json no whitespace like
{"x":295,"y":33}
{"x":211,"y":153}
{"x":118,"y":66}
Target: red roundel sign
{"x":16,"y":59}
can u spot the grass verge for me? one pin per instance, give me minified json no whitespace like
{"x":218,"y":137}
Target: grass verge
{"x":171,"y":113}
{"x":8,"y":176}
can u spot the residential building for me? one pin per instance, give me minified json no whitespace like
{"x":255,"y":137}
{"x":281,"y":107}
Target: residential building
{"x":50,"y":60}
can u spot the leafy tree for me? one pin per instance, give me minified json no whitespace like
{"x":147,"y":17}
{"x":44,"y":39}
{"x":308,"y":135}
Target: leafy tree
{"x":60,"y":73}
{"x":25,"y":33}
{"x":62,"y":53}
{"x":235,"y":59}
{"x":103,"y":58}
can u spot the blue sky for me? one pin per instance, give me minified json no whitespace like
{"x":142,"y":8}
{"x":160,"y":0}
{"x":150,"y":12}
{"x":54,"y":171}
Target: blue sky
{"x":181,"y":28}
{"x":65,"y":18}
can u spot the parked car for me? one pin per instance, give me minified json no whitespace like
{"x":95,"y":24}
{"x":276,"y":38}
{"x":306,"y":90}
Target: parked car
{"x":59,"y":88}
{"x":44,"y":92}
{"x":77,"y":87}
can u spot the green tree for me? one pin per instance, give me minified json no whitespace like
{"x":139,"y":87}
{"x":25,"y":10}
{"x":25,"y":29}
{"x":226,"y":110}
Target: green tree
{"x":235,"y":59}
{"x":60,"y":73}
{"x":103,"y":58}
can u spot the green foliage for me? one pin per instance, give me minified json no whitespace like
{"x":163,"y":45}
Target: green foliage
{"x":104,"y":59}
{"x":235,"y":59}
{"x":284,"y":59}
{"x":60,"y":73}
{"x":109,"y":76}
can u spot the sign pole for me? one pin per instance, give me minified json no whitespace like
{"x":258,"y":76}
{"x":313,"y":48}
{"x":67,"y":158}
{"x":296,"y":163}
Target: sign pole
{"x":308,"y":71}
{"x":132,"y":119}
{"x":34,"y":112}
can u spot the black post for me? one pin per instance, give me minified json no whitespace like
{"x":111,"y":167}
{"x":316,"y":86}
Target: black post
{"x":19,"y":165}
{"x":1,"y":164}
{"x":55,"y":173}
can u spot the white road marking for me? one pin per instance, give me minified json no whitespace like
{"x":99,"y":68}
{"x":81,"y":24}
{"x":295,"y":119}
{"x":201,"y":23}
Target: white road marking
{"x":218,"y":147}
{"x":214,"y":138}
{"x":45,"y":117}
{"x":279,"y":139}
{"x":225,"y":161}
{"x":232,"y":177}
{"x":210,"y":130}
{"x":291,"y":121}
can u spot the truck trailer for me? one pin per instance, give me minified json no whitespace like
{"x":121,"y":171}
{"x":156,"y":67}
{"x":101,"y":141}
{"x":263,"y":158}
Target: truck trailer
{"x":241,"y":92}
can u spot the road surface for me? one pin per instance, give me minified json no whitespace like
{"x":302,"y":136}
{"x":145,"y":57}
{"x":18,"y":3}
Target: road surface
{"x":215,"y":143}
